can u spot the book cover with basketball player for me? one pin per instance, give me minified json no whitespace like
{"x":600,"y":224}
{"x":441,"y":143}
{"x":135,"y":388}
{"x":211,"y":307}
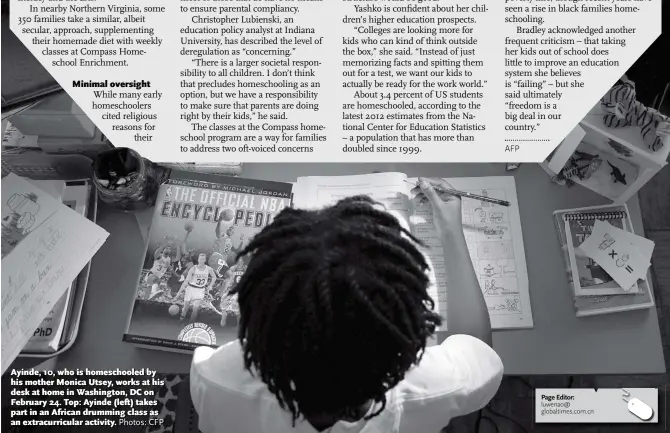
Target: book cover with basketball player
{"x":199,"y":225}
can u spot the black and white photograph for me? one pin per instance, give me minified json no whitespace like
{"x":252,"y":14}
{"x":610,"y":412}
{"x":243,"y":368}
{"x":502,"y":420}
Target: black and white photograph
{"x":384,"y":292}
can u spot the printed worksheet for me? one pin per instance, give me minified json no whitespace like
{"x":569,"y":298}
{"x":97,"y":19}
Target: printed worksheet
{"x":494,"y":238}
{"x":390,"y":189}
{"x":493,"y":234}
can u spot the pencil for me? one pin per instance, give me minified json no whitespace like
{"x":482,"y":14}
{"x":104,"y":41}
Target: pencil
{"x":467,"y":195}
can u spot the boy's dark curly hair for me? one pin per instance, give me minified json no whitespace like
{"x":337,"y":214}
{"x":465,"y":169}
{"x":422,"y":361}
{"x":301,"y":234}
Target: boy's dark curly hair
{"x":334,"y":307}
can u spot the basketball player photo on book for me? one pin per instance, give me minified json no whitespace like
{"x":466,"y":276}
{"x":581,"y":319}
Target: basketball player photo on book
{"x":200,"y":223}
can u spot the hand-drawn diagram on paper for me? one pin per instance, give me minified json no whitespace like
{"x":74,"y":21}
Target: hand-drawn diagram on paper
{"x":494,"y":239}
{"x":19,"y":214}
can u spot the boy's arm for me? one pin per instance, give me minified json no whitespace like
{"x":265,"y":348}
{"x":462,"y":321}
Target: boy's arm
{"x":468,"y":313}
{"x":217,"y":230}
{"x":466,"y":357}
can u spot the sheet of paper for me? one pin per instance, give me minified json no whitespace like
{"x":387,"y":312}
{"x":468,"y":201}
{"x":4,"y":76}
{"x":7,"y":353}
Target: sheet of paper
{"x":495,"y":241}
{"x":643,"y":245}
{"x":12,"y":137}
{"x":314,"y":192}
{"x":593,"y":279}
{"x":55,"y":188}
{"x":45,"y":245}
{"x":389,"y":189}
{"x":615,"y":254}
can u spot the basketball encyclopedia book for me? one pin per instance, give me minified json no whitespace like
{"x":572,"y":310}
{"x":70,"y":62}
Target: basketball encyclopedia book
{"x":199,"y":225}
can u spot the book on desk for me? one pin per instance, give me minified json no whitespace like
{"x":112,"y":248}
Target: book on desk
{"x":198,"y":213}
{"x":594,"y":291}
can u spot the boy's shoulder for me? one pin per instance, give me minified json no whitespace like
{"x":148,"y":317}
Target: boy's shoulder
{"x":224,"y":369}
{"x":455,"y":378}
{"x":459,"y":365}
{"x":226,"y":396}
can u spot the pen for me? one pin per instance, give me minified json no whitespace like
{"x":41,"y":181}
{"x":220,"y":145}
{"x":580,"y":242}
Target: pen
{"x":467,"y":194}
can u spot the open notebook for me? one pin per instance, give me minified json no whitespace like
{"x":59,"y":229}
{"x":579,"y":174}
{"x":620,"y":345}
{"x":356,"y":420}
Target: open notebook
{"x":493,"y":234}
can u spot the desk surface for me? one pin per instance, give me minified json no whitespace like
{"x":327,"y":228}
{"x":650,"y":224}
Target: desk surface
{"x":560,"y":343}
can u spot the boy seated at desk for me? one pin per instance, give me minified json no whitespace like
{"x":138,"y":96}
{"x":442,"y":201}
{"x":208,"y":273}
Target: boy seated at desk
{"x":334,"y":321}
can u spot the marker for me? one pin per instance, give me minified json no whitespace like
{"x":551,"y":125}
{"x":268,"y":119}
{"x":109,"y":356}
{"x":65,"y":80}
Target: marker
{"x":467,"y":195}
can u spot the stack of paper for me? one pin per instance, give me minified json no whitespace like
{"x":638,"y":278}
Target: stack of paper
{"x":594,"y":290}
{"x":45,"y":245}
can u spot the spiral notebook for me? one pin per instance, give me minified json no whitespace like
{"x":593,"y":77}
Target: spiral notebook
{"x":594,"y":291}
